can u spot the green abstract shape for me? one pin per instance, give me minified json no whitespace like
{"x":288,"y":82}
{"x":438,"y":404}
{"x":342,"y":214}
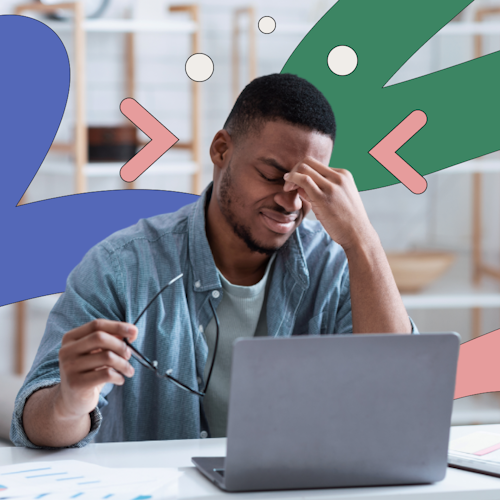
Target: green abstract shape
{"x":461,"y":102}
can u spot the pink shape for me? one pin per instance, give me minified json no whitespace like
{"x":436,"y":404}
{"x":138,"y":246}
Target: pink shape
{"x":478,"y":368}
{"x":161,"y":139}
{"x":385,"y":152}
{"x":487,"y":450}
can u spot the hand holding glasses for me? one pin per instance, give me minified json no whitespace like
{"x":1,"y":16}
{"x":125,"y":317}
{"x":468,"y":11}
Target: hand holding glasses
{"x":153,"y":365}
{"x":91,"y":355}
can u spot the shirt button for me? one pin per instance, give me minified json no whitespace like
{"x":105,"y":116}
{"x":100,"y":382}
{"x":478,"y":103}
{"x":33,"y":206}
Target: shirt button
{"x":198,"y":379}
{"x":215,"y":294}
{"x":197,"y":284}
{"x":200,"y":328}
{"x":203,"y":434}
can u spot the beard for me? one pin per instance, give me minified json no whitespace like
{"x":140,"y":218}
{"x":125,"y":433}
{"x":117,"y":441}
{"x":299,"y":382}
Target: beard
{"x":226,"y":204}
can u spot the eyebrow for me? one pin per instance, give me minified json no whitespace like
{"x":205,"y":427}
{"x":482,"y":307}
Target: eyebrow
{"x":273,"y":163}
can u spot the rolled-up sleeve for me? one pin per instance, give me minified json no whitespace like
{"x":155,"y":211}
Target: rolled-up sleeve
{"x":92,"y":291}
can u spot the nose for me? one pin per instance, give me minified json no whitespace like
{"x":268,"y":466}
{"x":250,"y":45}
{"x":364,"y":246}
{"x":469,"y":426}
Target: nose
{"x":289,"y":200}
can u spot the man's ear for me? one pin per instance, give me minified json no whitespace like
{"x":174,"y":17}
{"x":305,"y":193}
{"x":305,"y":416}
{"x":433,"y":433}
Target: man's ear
{"x":220,"y":148}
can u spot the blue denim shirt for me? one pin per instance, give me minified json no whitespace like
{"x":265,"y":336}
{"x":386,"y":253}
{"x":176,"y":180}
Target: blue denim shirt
{"x":309,"y":290}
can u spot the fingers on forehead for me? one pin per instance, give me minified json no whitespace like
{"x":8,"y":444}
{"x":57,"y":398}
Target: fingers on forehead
{"x":313,"y":162}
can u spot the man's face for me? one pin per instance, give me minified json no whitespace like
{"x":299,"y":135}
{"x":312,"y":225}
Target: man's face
{"x":249,"y":187}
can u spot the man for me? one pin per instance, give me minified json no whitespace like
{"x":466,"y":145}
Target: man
{"x":243,"y":248}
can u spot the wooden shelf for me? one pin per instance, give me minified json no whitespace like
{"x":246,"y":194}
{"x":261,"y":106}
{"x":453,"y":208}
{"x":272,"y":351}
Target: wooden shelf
{"x":454,"y":290}
{"x":451,"y":300}
{"x":454,"y":28}
{"x":470,"y":28}
{"x":471,"y":167}
{"x":127,"y":26}
{"x":110,"y":169}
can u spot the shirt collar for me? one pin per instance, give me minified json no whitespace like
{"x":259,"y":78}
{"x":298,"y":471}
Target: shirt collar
{"x":205,"y":274}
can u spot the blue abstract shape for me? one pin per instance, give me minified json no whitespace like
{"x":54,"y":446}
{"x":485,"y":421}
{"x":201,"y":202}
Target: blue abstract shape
{"x":43,"y":241}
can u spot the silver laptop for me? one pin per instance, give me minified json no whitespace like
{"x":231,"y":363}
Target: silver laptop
{"x":337,"y":411}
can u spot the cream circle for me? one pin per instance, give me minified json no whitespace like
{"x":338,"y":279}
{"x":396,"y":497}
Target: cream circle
{"x":267,"y":25}
{"x":199,"y":67}
{"x":342,"y":60}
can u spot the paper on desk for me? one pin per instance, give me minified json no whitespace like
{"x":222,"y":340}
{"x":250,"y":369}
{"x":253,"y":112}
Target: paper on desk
{"x":477,"y":443}
{"x":72,"y":479}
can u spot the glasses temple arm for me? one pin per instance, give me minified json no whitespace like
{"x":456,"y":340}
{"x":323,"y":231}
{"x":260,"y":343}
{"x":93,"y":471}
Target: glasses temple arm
{"x":154,"y":298}
{"x":216,"y":342}
{"x":139,"y":355}
{"x":135,"y":351}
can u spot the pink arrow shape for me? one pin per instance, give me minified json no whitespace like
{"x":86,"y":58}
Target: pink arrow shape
{"x":478,"y":370}
{"x":161,"y":139}
{"x":385,"y":152}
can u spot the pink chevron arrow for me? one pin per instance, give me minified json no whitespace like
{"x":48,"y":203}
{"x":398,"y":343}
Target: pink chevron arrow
{"x":478,"y":370}
{"x":385,"y":152}
{"x":161,"y":139}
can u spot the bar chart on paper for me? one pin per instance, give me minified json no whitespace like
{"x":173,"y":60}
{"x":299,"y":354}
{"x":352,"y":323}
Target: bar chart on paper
{"x":72,"y":479}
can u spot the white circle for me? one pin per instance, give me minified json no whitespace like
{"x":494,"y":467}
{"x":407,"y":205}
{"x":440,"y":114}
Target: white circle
{"x":199,"y":67}
{"x":215,"y":294}
{"x":342,"y":60}
{"x":267,"y":25}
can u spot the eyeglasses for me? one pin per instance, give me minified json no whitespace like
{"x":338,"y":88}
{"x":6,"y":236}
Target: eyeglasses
{"x":153,"y":365}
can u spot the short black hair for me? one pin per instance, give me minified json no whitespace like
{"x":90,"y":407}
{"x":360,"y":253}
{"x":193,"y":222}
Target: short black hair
{"x":280,"y":96}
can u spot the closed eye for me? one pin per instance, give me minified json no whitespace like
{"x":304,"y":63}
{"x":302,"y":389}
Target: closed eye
{"x":268,"y":179}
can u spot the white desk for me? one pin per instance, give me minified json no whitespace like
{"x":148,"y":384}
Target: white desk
{"x":457,"y":485}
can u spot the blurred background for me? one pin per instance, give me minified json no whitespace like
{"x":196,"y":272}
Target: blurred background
{"x":443,"y":245}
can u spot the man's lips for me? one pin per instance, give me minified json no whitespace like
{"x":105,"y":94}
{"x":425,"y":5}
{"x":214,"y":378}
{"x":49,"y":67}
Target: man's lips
{"x":278,"y":223}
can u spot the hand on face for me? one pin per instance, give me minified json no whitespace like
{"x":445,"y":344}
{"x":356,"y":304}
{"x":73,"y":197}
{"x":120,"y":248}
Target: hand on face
{"x":334,"y":200}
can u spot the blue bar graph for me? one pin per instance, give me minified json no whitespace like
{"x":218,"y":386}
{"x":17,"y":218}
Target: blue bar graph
{"x":24,"y":471}
{"x":60,"y":480}
{"x":44,"y":475}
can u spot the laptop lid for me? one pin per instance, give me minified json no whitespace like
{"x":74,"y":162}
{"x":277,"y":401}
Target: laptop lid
{"x":340,"y":410}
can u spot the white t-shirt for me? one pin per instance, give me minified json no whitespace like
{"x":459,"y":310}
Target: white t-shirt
{"x":241,"y":314}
